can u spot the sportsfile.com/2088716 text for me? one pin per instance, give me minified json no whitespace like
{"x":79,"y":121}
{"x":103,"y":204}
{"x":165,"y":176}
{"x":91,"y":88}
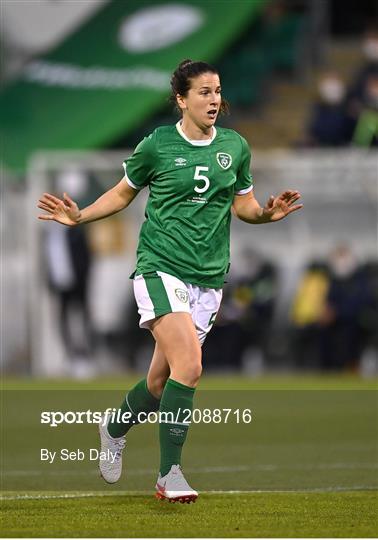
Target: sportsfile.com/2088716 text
{"x":184,"y":416}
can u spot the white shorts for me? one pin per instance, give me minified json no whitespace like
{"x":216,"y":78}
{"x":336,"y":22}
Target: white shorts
{"x":158,"y":293}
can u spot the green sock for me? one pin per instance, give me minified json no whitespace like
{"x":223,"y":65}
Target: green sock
{"x":139,"y":399}
{"x":177,"y":399}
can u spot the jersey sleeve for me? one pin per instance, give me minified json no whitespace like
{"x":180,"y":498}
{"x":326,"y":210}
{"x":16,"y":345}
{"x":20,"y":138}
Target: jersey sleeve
{"x":139,"y":168}
{"x":244,"y":182}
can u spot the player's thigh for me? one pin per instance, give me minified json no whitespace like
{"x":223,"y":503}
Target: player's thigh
{"x":177,"y":338}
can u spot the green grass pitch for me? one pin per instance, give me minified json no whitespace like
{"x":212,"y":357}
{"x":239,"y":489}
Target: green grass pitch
{"x":305,"y":466}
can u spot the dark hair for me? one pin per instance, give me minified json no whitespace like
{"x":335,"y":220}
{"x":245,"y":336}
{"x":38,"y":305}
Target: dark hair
{"x":181,"y":77}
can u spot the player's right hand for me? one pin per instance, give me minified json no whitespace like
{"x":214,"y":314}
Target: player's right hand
{"x":63,"y":211}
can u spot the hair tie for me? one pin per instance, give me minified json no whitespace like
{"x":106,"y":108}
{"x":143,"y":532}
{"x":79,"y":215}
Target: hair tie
{"x":185,"y":63}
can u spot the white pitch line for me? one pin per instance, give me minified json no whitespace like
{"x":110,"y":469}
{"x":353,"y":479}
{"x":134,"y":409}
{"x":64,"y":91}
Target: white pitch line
{"x":210,"y":492}
{"x":205,"y":470}
{"x":135,"y":472}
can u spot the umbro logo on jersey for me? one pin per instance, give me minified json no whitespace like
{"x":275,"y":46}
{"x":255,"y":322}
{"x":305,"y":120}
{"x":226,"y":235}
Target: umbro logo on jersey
{"x":224,"y":160}
{"x":182,"y":295}
{"x":180,"y":161}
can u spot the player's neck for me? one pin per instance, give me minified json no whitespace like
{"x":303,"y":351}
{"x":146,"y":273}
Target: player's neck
{"x":195,"y":133}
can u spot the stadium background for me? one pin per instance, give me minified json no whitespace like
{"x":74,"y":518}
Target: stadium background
{"x":271,"y":56}
{"x":83,"y":82}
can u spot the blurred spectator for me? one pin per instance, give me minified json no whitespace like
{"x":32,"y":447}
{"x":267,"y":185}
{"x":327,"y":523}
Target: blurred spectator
{"x":330,"y":124}
{"x":369,"y":320}
{"x":356,"y":91}
{"x":334,"y":313}
{"x":348,"y":300}
{"x":68,"y":259}
{"x":244,"y":321}
{"x":366,"y":132}
{"x":306,"y":314}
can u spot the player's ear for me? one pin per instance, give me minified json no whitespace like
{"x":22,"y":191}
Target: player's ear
{"x":180,"y":101}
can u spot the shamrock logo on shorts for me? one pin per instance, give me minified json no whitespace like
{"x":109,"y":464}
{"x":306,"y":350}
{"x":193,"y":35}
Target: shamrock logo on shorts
{"x":182,"y":295}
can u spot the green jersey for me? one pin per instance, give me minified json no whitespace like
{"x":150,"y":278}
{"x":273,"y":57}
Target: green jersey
{"x":192,"y":185}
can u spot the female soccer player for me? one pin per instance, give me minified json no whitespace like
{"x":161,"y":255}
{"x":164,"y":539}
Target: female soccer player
{"x":196,"y":174}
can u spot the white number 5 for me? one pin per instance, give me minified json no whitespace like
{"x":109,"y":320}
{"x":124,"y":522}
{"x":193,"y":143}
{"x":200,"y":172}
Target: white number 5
{"x":199,"y":176}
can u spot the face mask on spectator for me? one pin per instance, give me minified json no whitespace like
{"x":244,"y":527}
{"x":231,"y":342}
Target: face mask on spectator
{"x":331,"y":90}
{"x":343,"y":264}
{"x":370,"y":48}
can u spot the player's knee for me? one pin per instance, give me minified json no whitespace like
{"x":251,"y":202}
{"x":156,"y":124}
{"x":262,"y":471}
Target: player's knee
{"x":193,"y":364}
{"x":193,"y":373}
{"x":187,"y":370}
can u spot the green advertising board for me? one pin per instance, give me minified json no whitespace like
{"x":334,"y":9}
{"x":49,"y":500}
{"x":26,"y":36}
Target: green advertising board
{"x":112,"y":74}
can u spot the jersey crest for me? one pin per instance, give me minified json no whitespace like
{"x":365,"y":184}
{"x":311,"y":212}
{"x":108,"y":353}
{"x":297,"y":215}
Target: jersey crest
{"x":224,"y":160}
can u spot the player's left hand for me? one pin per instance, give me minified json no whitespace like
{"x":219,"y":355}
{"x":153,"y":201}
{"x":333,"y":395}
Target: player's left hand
{"x":281,"y":206}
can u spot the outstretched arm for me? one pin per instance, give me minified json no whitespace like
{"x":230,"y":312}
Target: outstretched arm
{"x":67,"y":212}
{"x":247,"y":208}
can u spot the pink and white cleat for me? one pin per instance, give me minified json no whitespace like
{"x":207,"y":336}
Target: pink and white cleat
{"x":174,"y":488}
